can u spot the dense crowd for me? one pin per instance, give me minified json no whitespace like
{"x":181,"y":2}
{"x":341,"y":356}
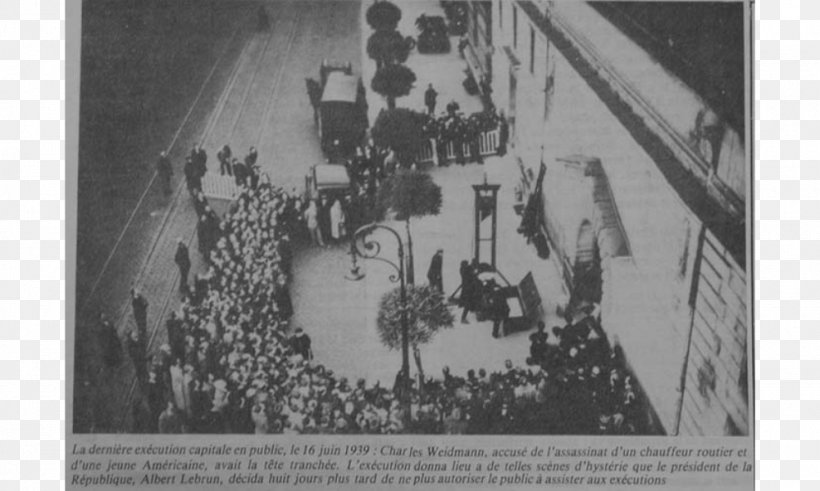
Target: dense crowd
{"x":233,"y":364}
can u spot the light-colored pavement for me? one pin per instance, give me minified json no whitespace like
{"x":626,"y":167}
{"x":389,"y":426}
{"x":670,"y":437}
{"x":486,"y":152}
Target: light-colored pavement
{"x":445,"y":71}
{"x":340,"y":315}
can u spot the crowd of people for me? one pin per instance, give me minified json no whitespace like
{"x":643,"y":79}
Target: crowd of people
{"x":232,"y":362}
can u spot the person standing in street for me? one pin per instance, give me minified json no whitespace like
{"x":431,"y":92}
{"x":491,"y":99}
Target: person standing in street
{"x":156,"y":399}
{"x":250,"y":159}
{"x":300,"y":342}
{"x":200,"y":159}
{"x":499,"y":310}
{"x":434,"y":277}
{"x":203,"y":235}
{"x":176,"y":336}
{"x":240,"y":172}
{"x":337,"y":221}
{"x":503,"y":134}
{"x":183,"y":261}
{"x":109,"y":343}
{"x":140,"y":306}
{"x":224,"y":157}
{"x":165,"y":171}
{"x":312,"y":220}
{"x":324,"y":219}
{"x":430,"y":99}
{"x":192,"y":177}
{"x":469,"y":290}
{"x":136,"y":350}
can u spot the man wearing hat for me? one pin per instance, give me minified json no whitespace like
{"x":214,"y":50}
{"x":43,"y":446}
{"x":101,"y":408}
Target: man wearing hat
{"x":434,"y":271}
{"x":183,"y":261}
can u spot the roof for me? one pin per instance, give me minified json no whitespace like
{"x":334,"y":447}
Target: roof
{"x":331,"y":176}
{"x":340,"y":88}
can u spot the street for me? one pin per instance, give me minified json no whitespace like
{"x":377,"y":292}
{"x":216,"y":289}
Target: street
{"x":254,"y":97}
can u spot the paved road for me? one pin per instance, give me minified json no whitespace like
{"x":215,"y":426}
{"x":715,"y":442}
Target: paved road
{"x":263,"y":103}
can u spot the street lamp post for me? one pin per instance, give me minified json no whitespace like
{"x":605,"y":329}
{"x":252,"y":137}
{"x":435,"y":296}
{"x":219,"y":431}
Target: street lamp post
{"x":371,"y":249}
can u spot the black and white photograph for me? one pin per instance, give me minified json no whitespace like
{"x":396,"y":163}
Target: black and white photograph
{"x":413,"y":217}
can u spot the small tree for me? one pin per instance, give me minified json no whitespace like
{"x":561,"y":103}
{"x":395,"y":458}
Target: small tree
{"x":400,"y":129}
{"x":387,"y":48}
{"x":383,"y":16}
{"x":392,"y":81}
{"x":410,"y":193}
{"x":427,"y":314}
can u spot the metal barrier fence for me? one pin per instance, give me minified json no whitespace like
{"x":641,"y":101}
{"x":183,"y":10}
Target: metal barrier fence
{"x":487,"y":145}
{"x":217,"y":186}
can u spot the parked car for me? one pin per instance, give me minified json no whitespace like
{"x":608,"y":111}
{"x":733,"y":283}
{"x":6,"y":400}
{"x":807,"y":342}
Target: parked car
{"x":433,"y":37}
{"x":332,"y":181}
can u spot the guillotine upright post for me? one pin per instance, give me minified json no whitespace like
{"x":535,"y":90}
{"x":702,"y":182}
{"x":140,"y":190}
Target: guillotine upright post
{"x":486,"y":201}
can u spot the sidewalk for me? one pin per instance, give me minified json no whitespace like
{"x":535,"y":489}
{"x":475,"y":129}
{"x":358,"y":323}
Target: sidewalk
{"x":340,"y":315}
{"x":445,"y":71}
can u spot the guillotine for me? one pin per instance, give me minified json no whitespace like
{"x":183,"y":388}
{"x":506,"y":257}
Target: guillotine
{"x":523,"y":299}
{"x":485,"y":205}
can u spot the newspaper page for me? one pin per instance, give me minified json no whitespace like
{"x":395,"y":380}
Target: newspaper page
{"x":409,"y":244}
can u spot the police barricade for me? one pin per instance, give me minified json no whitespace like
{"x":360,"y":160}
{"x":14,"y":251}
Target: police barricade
{"x":488,"y":142}
{"x":217,"y":186}
{"x":487,"y":145}
{"x":427,"y":152}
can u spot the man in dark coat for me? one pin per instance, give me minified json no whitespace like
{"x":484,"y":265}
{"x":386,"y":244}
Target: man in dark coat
{"x":434,"y":277}
{"x":323,"y":217}
{"x":253,"y":176}
{"x":140,"y":306}
{"x":176,"y":336}
{"x":202,"y":235}
{"x":192,"y":177}
{"x":503,"y":134}
{"x":200,"y":159}
{"x":165,"y":171}
{"x":452,"y":108}
{"x":240,"y":172}
{"x":224,"y":156}
{"x":473,"y":133}
{"x":201,"y":283}
{"x":499,"y":310}
{"x":250,"y":159}
{"x":430,"y":99}
{"x":300,"y":342}
{"x":538,"y":344}
{"x":109,"y":343}
{"x":470,"y":290}
{"x":183,"y":261}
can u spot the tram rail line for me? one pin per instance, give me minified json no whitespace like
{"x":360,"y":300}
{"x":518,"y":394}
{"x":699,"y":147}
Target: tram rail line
{"x":189,"y":237}
{"x":90,"y":295}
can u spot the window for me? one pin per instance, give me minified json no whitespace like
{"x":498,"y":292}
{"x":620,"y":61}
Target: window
{"x":500,"y":15}
{"x":515,"y":26}
{"x":532,"y":50}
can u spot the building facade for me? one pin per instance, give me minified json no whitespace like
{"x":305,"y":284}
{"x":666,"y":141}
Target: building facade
{"x":645,"y":187}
